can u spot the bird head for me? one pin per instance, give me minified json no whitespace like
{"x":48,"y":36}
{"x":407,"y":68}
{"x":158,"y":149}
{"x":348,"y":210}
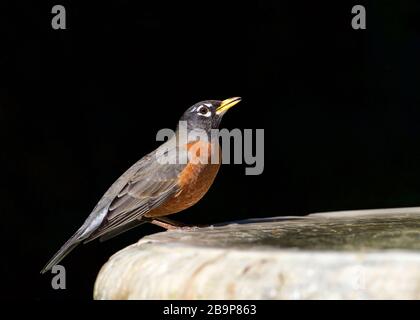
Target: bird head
{"x":207,"y":114}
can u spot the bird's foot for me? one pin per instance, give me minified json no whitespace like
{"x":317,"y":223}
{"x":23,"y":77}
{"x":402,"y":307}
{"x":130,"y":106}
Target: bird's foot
{"x":169,"y":224}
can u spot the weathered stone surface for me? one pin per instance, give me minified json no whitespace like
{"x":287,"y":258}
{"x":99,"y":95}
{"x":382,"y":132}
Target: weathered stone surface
{"x":369,"y":254}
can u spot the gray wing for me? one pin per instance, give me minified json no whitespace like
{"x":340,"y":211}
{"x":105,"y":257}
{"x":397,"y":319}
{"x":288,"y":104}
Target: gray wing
{"x":151,"y":185}
{"x":143,"y":187}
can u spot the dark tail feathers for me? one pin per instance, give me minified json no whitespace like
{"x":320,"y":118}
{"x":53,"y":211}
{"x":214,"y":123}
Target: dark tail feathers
{"x":72,"y":243}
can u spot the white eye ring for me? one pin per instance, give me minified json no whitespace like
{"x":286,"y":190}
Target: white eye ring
{"x":208,"y":114}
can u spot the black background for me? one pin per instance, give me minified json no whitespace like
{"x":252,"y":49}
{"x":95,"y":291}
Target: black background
{"x":340,"y":109}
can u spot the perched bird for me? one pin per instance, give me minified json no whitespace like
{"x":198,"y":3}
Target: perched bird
{"x":152,"y":189}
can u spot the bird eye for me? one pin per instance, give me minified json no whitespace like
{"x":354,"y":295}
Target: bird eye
{"x":203,"y":110}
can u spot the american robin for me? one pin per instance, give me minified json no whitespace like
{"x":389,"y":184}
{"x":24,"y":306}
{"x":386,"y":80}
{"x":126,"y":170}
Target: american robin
{"x":152,"y":189}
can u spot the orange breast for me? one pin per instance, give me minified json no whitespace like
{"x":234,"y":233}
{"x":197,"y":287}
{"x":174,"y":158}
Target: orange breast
{"x":194,"y":182}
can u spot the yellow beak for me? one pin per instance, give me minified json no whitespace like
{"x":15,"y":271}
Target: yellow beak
{"x":227,"y":104}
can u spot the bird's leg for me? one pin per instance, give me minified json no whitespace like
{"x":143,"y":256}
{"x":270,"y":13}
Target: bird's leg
{"x":164,"y":223}
{"x":170,"y":224}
